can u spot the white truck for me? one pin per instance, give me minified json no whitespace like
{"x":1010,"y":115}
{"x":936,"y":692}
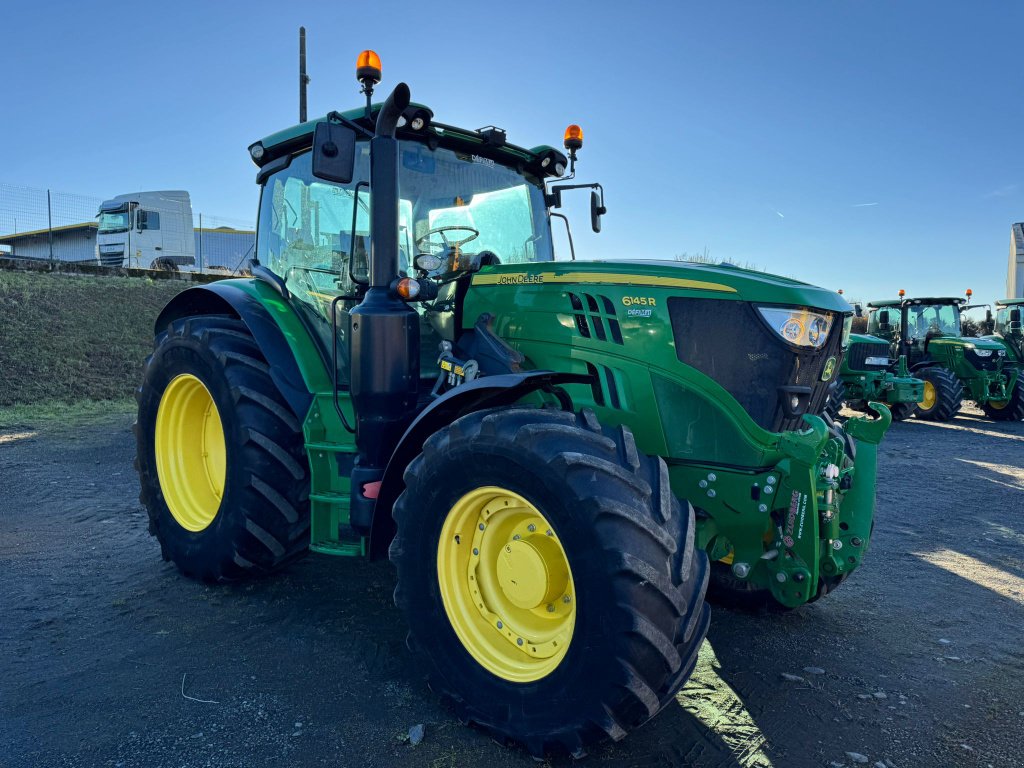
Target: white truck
{"x":149,"y":230}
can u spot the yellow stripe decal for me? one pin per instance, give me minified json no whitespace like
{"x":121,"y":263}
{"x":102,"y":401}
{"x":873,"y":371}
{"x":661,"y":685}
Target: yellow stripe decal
{"x":607,"y":278}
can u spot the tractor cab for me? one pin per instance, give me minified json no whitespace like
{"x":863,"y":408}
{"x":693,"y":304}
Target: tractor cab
{"x":910,"y":325}
{"x":1008,"y":323}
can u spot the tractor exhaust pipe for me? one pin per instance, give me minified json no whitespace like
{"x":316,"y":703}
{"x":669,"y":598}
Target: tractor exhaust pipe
{"x":384,"y":332}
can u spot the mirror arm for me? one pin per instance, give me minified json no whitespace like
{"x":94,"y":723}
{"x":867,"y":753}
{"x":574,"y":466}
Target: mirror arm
{"x":568,"y":231}
{"x":337,"y":117}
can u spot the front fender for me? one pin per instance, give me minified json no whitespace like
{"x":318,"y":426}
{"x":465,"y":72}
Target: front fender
{"x":485,"y":392}
{"x":244,"y":300}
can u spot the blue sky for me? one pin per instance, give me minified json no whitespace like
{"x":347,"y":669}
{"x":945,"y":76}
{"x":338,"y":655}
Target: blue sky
{"x":868,"y":146}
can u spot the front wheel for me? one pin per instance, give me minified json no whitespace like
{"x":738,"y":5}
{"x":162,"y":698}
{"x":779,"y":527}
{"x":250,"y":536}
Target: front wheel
{"x":549,"y":576}
{"x":943,"y":394}
{"x":1011,"y":409}
{"x":220,"y":456}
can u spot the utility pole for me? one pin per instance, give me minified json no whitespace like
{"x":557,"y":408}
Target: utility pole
{"x":303,"y":77}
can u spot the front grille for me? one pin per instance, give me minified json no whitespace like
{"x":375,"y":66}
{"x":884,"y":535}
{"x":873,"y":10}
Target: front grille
{"x":729,"y":342}
{"x":990,"y":363}
{"x":860,"y":351}
{"x":112,"y":255}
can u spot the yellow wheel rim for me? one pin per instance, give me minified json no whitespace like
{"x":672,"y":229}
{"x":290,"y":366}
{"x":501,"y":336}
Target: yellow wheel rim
{"x":506,"y":584}
{"x":191,"y":458}
{"x":928,"y":401}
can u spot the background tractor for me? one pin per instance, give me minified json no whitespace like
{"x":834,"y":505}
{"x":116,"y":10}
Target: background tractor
{"x":1007,"y":329}
{"x":868,"y":374}
{"x":927,"y":332}
{"x":547,"y":451}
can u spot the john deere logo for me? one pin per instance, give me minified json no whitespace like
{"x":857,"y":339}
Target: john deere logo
{"x":830,"y":368}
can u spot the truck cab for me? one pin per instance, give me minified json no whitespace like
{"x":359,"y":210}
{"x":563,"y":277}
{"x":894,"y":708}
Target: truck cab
{"x":146,"y":230}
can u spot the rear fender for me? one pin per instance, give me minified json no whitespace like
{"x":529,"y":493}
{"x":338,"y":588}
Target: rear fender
{"x":226,"y":297}
{"x":485,"y":392}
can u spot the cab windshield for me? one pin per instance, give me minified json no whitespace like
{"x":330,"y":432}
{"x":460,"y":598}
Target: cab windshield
{"x":924,"y":320}
{"x":315,"y":234}
{"x":110,"y":222}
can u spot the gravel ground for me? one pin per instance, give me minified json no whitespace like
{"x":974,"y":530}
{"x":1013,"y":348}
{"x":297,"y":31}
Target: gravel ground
{"x":109,"y":658}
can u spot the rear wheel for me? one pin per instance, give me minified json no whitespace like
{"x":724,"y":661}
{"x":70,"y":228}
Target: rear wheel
{"x":943,"y":394}
{"x":1011,"y":409}
{"x":219,"y":454}
{"x":549,"y":576}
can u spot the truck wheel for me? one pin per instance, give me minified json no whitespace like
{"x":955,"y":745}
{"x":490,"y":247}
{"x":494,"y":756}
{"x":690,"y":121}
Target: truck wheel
{"x":942,"y":395}
{"x":549,"y":576}
{"x":835,"y":401}
{"x":219,"y":454}
{"x":1011,"y":409}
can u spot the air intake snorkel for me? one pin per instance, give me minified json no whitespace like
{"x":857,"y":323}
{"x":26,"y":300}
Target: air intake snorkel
{"x":384,"y":334}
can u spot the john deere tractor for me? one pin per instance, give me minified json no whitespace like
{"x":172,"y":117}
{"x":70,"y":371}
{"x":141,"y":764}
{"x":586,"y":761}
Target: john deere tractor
{"x":868,"y":374}
{"x":548,"y":451}
{"x":927,"y":331}
{"x":1007,"y":329}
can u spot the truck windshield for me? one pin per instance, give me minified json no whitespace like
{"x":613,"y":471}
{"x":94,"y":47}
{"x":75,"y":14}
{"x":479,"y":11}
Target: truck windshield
{"x":314,"y":233}
{"x":113,"y":222}
{"x":933,"y":319}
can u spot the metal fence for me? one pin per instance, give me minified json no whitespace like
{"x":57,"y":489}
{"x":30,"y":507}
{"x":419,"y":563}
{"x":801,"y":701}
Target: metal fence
{"x":146,"y":230}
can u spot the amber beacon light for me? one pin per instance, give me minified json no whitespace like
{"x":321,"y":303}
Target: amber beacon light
{"x":573,"y":138}
{"x":368,"y":67}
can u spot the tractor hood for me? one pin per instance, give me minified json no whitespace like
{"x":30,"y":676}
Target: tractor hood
{"x":967,"y":342}
{"x":721,"y":281}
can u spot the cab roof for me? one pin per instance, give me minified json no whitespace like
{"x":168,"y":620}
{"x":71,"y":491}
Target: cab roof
{"x":885,"y":303}
{"x":487,"y":142}
{"x":1010,"y":303}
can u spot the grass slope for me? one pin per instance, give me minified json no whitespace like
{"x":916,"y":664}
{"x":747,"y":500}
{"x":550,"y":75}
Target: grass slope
{"x":71,"y":338}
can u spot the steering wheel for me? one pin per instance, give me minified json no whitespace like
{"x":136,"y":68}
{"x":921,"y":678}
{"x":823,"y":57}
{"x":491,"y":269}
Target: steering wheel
{"x":475,"y":233}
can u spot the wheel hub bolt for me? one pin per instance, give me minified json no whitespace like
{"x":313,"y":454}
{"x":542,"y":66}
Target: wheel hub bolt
{"x":516,"y":537}
{"x":476,"y":551}
{"x":482,"y":526}
{"x":500,"y":625}
{"x":741,"y":570}
{"x":566,"y":599}
{"x":712,"y":477}
{"x":519,"y":641}
{"x":711,"y":493}
{"x":550,"y":532}
{"x":551,"y":607}
{"x":531,"y":527}
{"x":703,"y":483}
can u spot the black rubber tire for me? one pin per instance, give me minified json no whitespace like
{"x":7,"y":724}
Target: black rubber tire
{"x":949,"y":394}
{"x":902,"y":411}
{"x":1014,"y":408}
{"x":835,"y":401}
{"x":263,"y":520}
{"x":639,"y":580}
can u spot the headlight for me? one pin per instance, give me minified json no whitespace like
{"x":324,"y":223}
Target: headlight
{"x":847,"y":327}
{"x":983,"y":352}
{"x":799,"y":326}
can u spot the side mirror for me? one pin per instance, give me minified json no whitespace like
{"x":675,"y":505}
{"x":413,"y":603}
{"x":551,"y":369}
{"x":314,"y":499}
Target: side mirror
{"x":334,"y":152}
{"x":141,"y":219}
{"x":596,"y":210}
{"x":1014,"y":326}
{"x":858,"y":310}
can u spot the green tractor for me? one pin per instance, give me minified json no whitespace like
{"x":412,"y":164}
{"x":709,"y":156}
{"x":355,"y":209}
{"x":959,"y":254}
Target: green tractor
{"x":868,"y":374}
{"x":1007,"y":329}
{"x":548,"y":451}
{"x":927,"y":331}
